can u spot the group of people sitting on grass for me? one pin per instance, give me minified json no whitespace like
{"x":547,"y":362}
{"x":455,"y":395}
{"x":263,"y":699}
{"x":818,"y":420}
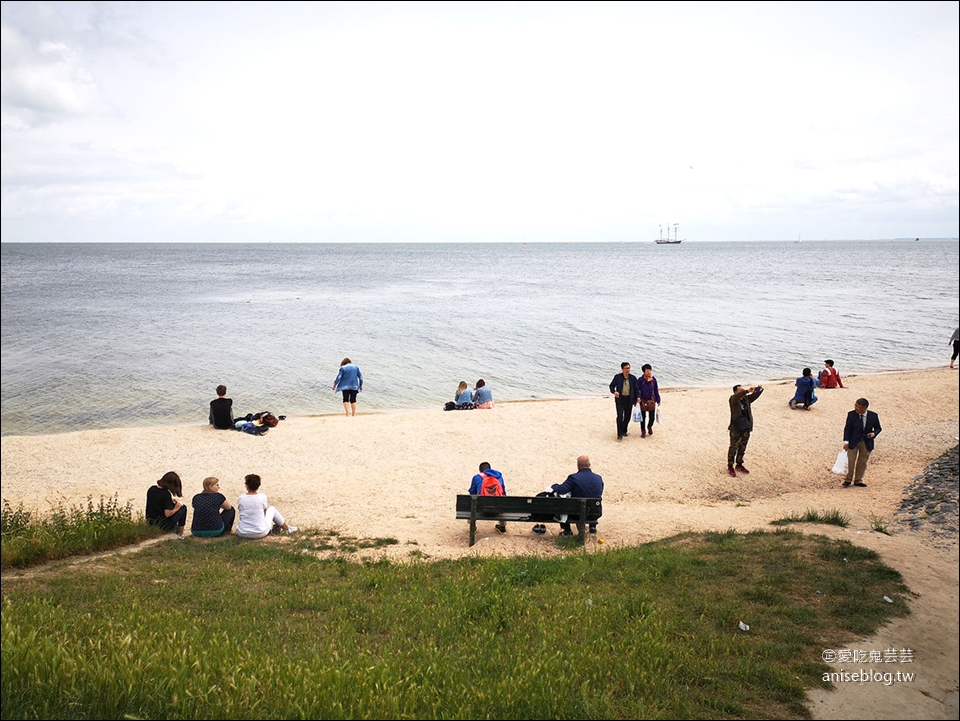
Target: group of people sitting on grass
{"x":213,"y":515}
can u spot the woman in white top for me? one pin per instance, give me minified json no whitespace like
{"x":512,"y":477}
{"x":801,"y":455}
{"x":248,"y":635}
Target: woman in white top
{"x":257,"y":517}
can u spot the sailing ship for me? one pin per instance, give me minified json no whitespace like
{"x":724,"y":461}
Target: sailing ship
{"x":668,"y":240}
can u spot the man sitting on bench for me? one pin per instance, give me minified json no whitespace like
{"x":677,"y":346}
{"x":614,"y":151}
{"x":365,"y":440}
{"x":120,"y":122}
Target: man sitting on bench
{"x":489,"y":482}
{"x":582,"y":484}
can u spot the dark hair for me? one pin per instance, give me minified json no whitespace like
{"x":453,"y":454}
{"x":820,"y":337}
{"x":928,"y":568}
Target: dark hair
{"x":735,"y":387}
{"x":345,"y":361}
{"x":807,"y":371}
{"x":624,"y":365}
{"x":863,"y":402}
{"x":829,"y":363}
{"x":171,"y":482}
{"x":480,"y":383}
{"x":252,"y":482}
{"x":221,"y":390}
{"x":646,"y":367}
{"x":484,"y":467}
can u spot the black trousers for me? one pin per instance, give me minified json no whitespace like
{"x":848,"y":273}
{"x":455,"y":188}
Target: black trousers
{"x":624,"y":413}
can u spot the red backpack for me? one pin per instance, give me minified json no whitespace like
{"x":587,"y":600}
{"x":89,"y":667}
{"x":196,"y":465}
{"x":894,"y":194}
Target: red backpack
{"x":490,"y":486}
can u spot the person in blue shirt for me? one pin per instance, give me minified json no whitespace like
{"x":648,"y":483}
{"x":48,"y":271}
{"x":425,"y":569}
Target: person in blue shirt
{"x":482,"y":396}
{"x":582,"y":484}
{"x":805,"y":396}
{"x":464,"y":395}
{"x":488,"y":476}
{"x":349,"y":382}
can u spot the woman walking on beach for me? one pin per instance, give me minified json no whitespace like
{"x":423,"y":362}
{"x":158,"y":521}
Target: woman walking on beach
{"x":349,"y":382}
{"x":163,"y":510}
{"x":257,"y":517}
{"x":649,"y":397}
{"x":212,"y":513}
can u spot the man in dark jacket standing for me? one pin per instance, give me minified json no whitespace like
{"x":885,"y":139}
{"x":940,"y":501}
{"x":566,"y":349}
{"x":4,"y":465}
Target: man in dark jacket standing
{"x":741,"y":425}
{"x":625,"y":388}
{"x":861,"y":428}
{"x":582,"y":484}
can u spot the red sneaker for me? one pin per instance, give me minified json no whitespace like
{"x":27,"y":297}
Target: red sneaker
{"x":731,"y":472}
{"x":742,"y":469}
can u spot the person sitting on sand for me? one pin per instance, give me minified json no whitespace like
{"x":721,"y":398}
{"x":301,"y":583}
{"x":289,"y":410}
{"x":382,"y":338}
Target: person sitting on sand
{"x":163,"y":510}
{"x":212,"y":513}
{"x":482,"y":396}
{"x":221,"y":410}
{"x":489,"y":482}
{"x":829,"y":377}
{"x":257,"y":517}
{"x":463,"y":395}
{"x":805,"y":396}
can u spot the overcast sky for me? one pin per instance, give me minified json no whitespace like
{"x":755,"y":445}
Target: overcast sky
{"x":334,"y":122}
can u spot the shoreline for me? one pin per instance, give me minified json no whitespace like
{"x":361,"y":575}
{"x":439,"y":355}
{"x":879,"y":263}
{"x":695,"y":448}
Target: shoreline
{"x":506,"y":402}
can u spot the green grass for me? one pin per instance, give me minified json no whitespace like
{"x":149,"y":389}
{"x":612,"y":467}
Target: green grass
{"x":831,"y":518}
{"x":285,"y":629}
{"x":879,"y":524}
{"x":28,"y":539}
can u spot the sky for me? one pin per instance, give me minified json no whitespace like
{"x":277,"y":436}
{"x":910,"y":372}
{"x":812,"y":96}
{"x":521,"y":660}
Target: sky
{"x":468,"y":122}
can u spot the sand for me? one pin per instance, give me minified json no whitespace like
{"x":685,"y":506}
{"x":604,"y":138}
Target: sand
{"x":396,"y":474}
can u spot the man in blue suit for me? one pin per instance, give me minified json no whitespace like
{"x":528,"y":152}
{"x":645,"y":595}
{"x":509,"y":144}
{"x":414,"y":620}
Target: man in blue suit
{"x":861,"y":428}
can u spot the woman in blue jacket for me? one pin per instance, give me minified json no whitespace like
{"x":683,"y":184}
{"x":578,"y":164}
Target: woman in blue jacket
{"x":349,"y":382}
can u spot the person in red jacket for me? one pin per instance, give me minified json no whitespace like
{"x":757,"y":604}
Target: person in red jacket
{"x":829,"y":376}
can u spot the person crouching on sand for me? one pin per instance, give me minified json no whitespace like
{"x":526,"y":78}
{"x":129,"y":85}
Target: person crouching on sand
{"x":257,"y":517}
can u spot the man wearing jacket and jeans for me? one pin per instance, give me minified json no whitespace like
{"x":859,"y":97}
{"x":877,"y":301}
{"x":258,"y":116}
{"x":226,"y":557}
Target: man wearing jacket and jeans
{"x":626,"y":389}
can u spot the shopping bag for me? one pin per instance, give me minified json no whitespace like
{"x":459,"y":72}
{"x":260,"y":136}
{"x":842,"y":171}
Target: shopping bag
{"x":840,"y":465}
{"x":659,"y":416}
{"x":637,"y":415}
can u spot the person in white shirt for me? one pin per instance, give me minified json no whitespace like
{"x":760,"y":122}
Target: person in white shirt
{"x":257,"y":517}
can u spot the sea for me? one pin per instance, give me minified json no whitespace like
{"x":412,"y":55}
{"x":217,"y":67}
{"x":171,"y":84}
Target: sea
{"x":120,"y":335}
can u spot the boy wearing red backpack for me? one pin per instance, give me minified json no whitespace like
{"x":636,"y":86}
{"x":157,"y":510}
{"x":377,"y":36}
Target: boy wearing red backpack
{"x":489,"y":482}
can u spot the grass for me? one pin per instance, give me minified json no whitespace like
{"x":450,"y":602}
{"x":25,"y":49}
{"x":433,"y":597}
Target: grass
{"x":28,"y":539}
{"x":879,"y":524}
{"x":285,"y":629}
{"x":831,"y":518}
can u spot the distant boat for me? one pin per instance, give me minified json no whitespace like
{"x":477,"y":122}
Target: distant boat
{"x":798,"y":240}
{"x":668,"y":240}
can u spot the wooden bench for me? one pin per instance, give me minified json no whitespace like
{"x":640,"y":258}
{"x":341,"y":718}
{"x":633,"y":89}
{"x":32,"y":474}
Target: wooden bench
{"x":527,"y":509}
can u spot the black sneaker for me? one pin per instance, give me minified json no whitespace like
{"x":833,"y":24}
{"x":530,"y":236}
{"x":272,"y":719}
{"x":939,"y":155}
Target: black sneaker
{"x":501,"y":529}
{"x":566,"y":533}
{"x":539,"y":529}
{"x":593,"y":528}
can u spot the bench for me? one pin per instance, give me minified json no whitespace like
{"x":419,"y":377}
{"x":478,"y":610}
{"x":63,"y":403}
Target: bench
{"x":527,"y":509}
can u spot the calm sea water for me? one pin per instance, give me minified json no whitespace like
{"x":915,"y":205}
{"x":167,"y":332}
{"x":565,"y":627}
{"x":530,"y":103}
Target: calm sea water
{"x":97,"y":336}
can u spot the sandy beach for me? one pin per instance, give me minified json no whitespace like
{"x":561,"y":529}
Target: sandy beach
{"x":396,"y":474}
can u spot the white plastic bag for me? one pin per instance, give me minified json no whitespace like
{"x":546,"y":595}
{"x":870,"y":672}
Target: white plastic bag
{"x":840,"y":465}
{"x":637,"y":415}
{"x":659,"y":417}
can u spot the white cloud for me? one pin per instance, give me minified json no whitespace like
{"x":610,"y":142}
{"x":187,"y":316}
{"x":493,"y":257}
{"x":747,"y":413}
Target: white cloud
{"x":466,"y":121}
